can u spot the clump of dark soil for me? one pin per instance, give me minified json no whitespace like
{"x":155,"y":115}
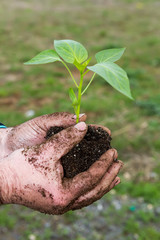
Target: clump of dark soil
{"x":83,"y":155}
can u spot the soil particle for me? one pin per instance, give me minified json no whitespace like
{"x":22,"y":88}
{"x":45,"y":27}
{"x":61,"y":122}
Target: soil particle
{"x":95,"y":143}
{"x":16,"y":199}
{"x":53,"y":131}
{"x":32,"y":160}
{"x":42,"y":191}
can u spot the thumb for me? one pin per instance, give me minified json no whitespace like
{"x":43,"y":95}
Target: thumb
{"x":61,"y":119}
{"x":54,"y":148}
{"x":34,"y":131}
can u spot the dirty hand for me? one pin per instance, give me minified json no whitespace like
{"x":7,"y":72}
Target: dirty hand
{"x":33,"y":176}
{"x":33,"y":131}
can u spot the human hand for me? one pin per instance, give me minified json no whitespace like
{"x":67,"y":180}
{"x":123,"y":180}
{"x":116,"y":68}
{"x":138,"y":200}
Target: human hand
{"x":33,"y":131}
{"x":33,"y":176}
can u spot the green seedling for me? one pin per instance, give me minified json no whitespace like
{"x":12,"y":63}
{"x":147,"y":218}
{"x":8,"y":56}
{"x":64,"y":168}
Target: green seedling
{"x":72,"y":52}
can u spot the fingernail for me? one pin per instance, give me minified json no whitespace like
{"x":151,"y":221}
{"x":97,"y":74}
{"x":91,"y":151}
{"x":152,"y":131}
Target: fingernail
{"x":81,"y":126}
{"x":115,"y":160}
{"x":112,"y":152}
{"x":117,"y":182}
{"x":80,"y":115}
{"x":114,"y":155}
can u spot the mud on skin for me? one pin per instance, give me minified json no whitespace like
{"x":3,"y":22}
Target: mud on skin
{"x":95,"y":143}
{"x":94,"y":137}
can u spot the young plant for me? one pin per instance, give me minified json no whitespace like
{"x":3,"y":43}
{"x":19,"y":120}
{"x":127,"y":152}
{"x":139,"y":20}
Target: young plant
{"x":72,"y":52}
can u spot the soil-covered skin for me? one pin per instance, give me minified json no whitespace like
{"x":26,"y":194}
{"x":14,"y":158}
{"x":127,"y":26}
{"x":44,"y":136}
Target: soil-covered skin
{"x":83,"y":155}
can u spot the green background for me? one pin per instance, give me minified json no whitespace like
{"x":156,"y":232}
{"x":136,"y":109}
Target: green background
{"x":132,"y":209}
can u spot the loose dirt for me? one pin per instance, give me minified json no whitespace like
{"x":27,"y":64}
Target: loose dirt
{"x":83,"y":155}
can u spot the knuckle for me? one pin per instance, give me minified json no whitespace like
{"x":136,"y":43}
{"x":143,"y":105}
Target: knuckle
{"x":113,"y":153}
{"x":63,"y":203}
{"x":121,"y":163}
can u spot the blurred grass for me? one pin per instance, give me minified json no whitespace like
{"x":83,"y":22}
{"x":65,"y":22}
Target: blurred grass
{"x":28,"y":27}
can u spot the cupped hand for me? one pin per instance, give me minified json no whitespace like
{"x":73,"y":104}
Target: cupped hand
{"x":33,"y":176}
{"x":33,"y":131}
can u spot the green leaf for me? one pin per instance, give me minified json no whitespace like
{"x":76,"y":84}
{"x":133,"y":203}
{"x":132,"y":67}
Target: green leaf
{"x":72,"y":96}
{"x":110,"y":55}
{"x":46,"y":56}
{"x":85,"y":64}
{"x":71,"y":51}
{"x":79,"y":66}
{"x":114,"y":75}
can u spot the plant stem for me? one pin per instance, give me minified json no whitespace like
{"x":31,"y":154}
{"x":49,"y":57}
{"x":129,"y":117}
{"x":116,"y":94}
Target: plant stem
{"x":86,"y":72}
{"x":89,"y":84}
{"x":79,"y":97}
{"x":70,"y":74}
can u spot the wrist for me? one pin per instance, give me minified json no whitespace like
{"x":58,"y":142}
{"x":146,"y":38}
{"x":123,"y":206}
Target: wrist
{"x":4,"y":183}
{"x":9,"y":181}
{"x":12,"y":177}
{"x":4,"y":150}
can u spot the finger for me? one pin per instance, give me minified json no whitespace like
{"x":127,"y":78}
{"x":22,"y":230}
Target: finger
{"x":61,"y":119}
{"x":58,"y":145}
{"x":106,"y":184}
{"x":85,"y":181}
{"x":34,"y":131}
{"x":102,"y":188}
{"x":104,"y":128}
{"x":115,"y":182}
{"x":91,"y":197}
{"x":78,"y":204}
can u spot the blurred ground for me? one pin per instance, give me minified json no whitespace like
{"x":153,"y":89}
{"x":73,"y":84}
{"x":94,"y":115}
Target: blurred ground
{"x":132,"y":210}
